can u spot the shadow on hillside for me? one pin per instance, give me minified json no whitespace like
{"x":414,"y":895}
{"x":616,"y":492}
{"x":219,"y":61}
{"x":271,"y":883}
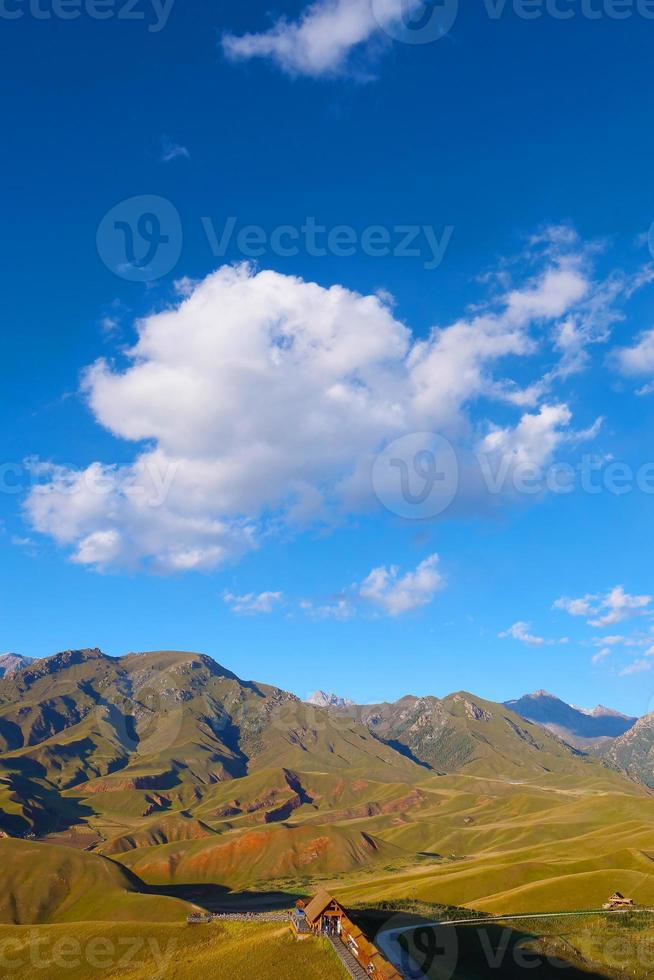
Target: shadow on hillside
{"x":405,"y":751}
{"x":492,"y":951}
{"x":44,"y":810}
{"x":23,"y":766}
{"x":218,"y":898}
{"x":489,"y":951}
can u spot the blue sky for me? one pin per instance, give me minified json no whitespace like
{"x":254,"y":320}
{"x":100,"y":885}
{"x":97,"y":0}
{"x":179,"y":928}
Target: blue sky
{"x":512,"y":159}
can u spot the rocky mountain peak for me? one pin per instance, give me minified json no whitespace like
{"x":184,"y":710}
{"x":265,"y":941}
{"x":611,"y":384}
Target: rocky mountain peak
{"x":321,"y":699}
{"x":10,"y":663}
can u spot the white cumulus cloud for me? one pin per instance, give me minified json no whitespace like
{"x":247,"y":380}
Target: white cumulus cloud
{"x":258,"y":400}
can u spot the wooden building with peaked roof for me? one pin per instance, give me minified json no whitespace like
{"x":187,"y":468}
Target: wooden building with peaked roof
{"x":323,"y":915}
{"x":618,"y":901}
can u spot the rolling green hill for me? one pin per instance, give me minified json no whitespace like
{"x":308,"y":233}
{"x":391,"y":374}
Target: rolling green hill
{"x":46,"y":883}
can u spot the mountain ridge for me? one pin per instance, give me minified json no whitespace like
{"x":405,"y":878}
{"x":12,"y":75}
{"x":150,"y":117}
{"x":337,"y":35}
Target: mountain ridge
{"x":185,"y":774}
{"x":585,"y":729}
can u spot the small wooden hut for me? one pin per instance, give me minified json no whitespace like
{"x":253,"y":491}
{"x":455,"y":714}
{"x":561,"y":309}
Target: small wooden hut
{"x":618,"y":901}
{"x":323,"y":915}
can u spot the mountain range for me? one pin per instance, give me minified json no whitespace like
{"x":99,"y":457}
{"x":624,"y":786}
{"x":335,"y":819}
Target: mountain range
{"x":173,"y":767}
{"x":584,"y":729}
{"x":417,"y":722}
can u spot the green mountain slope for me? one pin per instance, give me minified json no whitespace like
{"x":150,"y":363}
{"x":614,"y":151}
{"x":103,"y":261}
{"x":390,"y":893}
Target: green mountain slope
{"x":46,"y":883}
{"x":465,"y":733}
{"x":153,"y":723}
{"x":633,"y":752}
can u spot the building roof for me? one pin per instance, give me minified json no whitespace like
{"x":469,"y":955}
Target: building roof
{"x":317,"y":905}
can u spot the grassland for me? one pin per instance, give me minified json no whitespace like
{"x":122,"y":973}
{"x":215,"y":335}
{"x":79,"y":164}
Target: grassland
{"x":545,"y":843}
{"x":158,"y":951}
{"x":503,"y":847}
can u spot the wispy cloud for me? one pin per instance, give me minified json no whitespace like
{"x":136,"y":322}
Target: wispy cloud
{"x":320,"y":42}
{"x":340,"y":609}
{"x":637,"y":667}
{"x":575,"y":607}
{"x":173,"y":151}
{"x":252,"y":603}
{"x":608,"y":641}
{"x":384,"y":590}
{"x":605,"y":610}
{"x":328,"y":33}
{"x":521,"y":631}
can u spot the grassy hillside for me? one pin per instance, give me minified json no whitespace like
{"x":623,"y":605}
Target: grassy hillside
{"x":501,"y":847}
{"x":48,"y":883}
{"x":262,"y":855}
{"x":465,"y":733}
{"x":165,"y":951}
